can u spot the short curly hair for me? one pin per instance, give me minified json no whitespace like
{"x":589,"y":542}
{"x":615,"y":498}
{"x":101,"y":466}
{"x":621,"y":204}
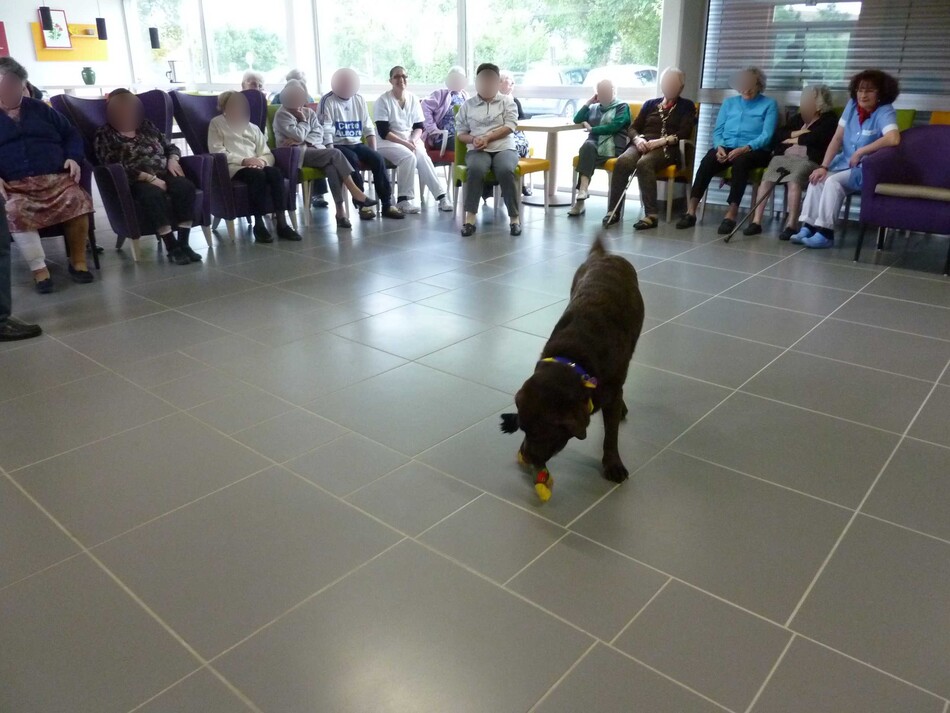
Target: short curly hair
{"x":887,"y":87}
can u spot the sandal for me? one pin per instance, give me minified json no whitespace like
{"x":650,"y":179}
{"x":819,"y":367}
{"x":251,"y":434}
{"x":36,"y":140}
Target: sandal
{"x":468,"y":230}
{"x":646,"y":223}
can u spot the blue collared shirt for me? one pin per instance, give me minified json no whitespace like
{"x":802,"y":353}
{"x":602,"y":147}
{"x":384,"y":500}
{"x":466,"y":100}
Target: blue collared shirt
{"x":746,"y":122}
{"x":38,"y":144}
{"x":857,"y":135}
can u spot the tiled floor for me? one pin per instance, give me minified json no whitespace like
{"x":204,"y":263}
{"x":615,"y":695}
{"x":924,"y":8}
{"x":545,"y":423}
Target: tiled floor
{"x":274,"y":482}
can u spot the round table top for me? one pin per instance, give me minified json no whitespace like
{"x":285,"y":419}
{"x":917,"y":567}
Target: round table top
{"x":548,"y":124}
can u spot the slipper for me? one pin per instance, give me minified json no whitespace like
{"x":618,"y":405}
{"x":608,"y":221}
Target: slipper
{"x":646,"y":223}
{"x":611,"y":220}
{"x":468,"y":229}
{"x":726,"y":226}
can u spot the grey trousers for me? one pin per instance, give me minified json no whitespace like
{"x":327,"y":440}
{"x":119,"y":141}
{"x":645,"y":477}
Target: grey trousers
{"x":503,"y":164}
{"x":6,"y":298}
{"x":334,"y":164}
{"x":647,"y":166}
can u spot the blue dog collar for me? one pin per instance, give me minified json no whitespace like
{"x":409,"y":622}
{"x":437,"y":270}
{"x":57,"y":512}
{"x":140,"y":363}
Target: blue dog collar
{"x":589,"y":381}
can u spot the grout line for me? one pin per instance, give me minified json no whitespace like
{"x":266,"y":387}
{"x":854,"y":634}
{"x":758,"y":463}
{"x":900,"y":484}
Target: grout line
{"x":536,"y":558}
{"x":563,"y":676}
{"x":639,"y":611}
{"x":168,"y":688}
{"x":38,"y":572}
{"x":771,"y":672}
{"x":867,"y":495}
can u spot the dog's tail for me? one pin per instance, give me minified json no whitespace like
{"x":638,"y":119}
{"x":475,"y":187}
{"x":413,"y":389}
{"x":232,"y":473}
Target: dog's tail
{"x":598,"y":247}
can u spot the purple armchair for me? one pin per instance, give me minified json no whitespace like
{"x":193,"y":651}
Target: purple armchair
{"x":126,"y":219}
{"x":908,"y":186}
{"x":229,"y":198}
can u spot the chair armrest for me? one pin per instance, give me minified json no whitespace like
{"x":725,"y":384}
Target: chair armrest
{"x":883,"y":166}
{"x":113,"y":184}
{"x":199,"y":169}
{"x":222,"y":199}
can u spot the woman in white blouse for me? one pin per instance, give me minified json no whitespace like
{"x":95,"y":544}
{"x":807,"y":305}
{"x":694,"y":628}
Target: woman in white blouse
{"x":399,"y":123}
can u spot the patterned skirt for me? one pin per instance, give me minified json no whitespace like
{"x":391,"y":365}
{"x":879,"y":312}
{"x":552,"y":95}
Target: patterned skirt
{"x":41,"y":201}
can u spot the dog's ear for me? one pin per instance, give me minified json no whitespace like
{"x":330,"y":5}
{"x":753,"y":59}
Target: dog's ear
{"x":509,"y":422}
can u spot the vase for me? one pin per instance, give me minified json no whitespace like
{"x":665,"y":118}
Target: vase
{"x":88,"y":75}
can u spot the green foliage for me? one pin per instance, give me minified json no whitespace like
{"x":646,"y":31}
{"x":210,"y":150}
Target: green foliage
{"x":231,"y":48}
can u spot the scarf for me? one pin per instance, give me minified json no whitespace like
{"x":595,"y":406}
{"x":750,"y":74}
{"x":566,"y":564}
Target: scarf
{"x":863,"y":115}
{"x":606,"y":143}
{"x":664,"y":110}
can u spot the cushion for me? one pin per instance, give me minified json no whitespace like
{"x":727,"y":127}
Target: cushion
{"x":903,"y":190}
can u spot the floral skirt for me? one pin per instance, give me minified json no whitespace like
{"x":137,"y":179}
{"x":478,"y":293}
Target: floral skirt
{"x":41,"y":201}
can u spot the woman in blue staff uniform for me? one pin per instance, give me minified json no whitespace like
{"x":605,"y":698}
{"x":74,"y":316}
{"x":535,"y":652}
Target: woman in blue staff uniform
{"x":867,"y":124}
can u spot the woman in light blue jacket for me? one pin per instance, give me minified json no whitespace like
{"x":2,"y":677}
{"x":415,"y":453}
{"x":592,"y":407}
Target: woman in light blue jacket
{"x":742,"y":139}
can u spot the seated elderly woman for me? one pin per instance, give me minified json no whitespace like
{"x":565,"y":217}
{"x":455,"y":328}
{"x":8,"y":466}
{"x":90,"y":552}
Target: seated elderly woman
{"x":156,"y":179}
{"x":507,"y":87}
{"x":252,"y":80}
{"x":655,"y":135}
{"x":742,"y":139}
{"x":294,"y":75}
{"x":868,"y":124}
{"x":438,"y":120}
{"x":298,"y":125}
{"x":799,"y":147}
{"x":485,"y":122}
{"x":606,"y":120}
{"x":250,"y":162}
{"x":40,"y":153}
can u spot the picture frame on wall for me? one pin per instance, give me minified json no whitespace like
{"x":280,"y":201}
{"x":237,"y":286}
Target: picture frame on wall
{"x":58,"y":38}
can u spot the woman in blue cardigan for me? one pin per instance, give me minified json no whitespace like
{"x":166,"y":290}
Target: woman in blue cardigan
{"x":742,"y":139}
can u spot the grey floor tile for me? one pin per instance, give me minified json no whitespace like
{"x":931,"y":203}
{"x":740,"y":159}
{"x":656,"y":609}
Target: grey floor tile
{"x":410,"y":408}
{"x":201,"y":692}
{"x":142,"y":338}
{"x":789,"y":295}
{"x":717,"y":358}
{"x":198,"y":387}
{"x":750,"y":321}
{"x":435,"y":637}
{"x":710,"y":280}
{"x":551,"y":277}
{"x":351,"y":252}
{"x":309,"y":367}
{"x":289,"y":435}
{"x":346,"y":464}
{"x":341,"y":285}
{"x":41,"y":365}
{"x":814,"y":679}
{"x":907,"y":354}
{"x":251,"y":309}
{"x":712,"y":647}
{"x":663,"y":302}
{"x":228,"y":564}
{"x":490,"y":302}
{"x":926,"y":320}
{"x":817,"y":454}
{"x":279,"y":268}
{"x":914,"y":490}
{"x":734,"y":536}
{"x":153,"y":371}
{"x":74,"y":641}
{"x":902,"y":582}
{"x":105,"y":488}
{"x":197,"y":286}
{"x":413,"y":291}
{"x":224,"y":349}
{"x":411,"y":331}
{"x":608,"y":682}
{"x":540,"y":322}
{"x":931,"y":424}
{"x":932,"y":292}
{"x":244,"y":406}
{"x":727,"y":258}
{"x":501,"y":358}
{"x":493,"y":537}
{"x":79,"y":314}
{"x":872,"y":397}
{"x":375,"y":303}
{"x":411,"y":264}
{"x":31,"y":540}
{"x":304,"y":324}
{"x":413,"y":497}
{"x":821,"y":273}
{"x":71,"y":415}
{"x":590,"y":586}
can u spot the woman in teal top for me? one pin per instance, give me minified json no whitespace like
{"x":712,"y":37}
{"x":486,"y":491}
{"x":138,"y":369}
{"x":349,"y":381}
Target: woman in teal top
{"x":742,"y":139}
{"x":867,"y":124}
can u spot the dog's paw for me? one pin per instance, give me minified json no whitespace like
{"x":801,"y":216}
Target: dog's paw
{"x":615,"y":471}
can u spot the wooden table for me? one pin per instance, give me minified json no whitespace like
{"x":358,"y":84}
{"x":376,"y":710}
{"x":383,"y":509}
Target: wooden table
{"x":552,"y":126}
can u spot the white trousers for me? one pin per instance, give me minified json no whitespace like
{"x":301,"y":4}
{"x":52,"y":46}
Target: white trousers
{"x":400,"y":155}
{"x":31,"y":248}
{"x":823,"y":200}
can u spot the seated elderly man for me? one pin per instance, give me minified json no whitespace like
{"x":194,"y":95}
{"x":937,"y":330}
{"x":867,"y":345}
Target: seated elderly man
{"x":252,"y":80}
{"x":606,"y":119}
{"x":655,"y":136}
{"x":294,"y":75}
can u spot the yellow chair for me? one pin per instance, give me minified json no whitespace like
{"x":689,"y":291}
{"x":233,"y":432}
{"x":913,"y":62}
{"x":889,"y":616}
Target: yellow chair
{"x":525,"y":167}
{"x":307,"y":175}
{"x":611,"y":162}
{"x":940,"y":117}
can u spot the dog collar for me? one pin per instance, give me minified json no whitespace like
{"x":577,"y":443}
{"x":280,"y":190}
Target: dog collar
{"x":589,"y":381}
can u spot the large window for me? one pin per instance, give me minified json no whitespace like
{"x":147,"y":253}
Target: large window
{"x":177,"y":22}
{"x":246,"y":34}
{"x":422,"y":36}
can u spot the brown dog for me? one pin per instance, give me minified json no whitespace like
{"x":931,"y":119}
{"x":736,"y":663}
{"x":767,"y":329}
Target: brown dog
{"x":584,"y":365}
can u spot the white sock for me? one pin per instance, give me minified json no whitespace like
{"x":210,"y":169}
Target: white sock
{"x":31,"y":248}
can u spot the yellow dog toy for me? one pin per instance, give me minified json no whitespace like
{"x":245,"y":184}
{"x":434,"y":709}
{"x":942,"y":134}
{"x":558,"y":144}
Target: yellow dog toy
{"x":543,"y":482}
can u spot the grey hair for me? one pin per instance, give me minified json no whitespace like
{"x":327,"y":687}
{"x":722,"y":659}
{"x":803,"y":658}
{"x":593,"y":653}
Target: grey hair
{"x":296,"y":74}
{"x":506,"y":74}
{"x":251,"y":74}
{"x":823,"y":99}
{"x":760,"y":78}
{"x":678,"y":72}
{"x":457,"y":70}
{"x":292,"y":84}
{"x":8,"y":65}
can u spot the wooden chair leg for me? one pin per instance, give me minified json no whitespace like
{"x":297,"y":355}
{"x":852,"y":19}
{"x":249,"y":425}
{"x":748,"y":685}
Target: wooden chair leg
{"x":547,"y":197}
{"x":307,"y":187}
{"x":455,"y":198}
{"x":670,"y":184}
{"x":881,"y":235}
{"x":496,"y":195}
{"x":94,"y":249}
{"x":231,"y":231}
{"x":574,"y":187}
{"x":215,"y":223}
{"x":135,"y":249}
{"x":847,"y":215}
{"x":702,"y":212}
{"x":946,"y":265}
{"x":857,"y":249}
{"x":293,"y":218}
{"x":206,"y":229}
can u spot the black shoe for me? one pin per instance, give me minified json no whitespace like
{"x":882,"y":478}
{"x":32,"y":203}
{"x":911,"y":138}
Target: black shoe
{"x":787,"y":234}
{"x":12,"y":330}
{"x":610,"y":219}
{"x":726,"y":226}
{"x":285,"y":232}
{"x":319,"y":202}
{"x":82,"y":277}
{"x":515,"y":229}
{"x":752,"y":229}
{"x":367,"y":203}
{"x":343,"y":222}
{"x":468,"y":230}
{"x":367,"y":213}
{"x":187,"y":251}
{"x":525,"y":191}
{"x":44,"y":287}
{"x":179,"y":256}
{"x":687,"y":221}
{"x":261,"y":233}
{"x":392,"y":211}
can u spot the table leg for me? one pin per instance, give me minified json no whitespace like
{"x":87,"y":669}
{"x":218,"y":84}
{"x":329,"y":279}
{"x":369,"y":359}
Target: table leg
{"x":554,"y":198}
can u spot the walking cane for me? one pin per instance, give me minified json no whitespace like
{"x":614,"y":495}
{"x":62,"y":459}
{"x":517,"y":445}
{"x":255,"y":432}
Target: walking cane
{"x":609,"y":219}
{"x":782,"y":175}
